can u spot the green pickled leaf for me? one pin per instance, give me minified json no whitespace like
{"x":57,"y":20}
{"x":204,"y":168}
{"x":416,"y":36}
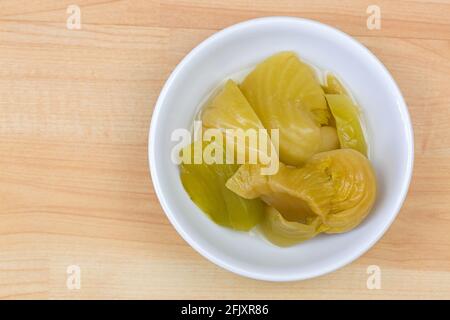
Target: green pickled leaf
{"x":339,"y":186}
{"x":284,"y":233}
{"x":295,"y":192}
{"x":285,"y":95}
{"x":334,"y":86}
{"x":348,"y":122}
{"x":329,"y":139}
{"x":230,"y":110}
{"x":205,"y":184}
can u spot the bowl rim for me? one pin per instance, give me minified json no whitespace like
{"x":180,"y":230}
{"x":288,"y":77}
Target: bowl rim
{"x":198,"y":247}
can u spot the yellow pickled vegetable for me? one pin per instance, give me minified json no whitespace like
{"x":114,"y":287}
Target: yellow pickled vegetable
{"x":348,"y":124}
{"x":205,"y":184}
{"x":339,"y":186}
{"x":231,"y":110}
{"x":285,"y":233}
{"x":312,"y":176}
{"x":296,"y":192}
{"x":334,"y":86}
{"x":329,"y":139}
{"x":285,"y":95}
{"x":354,"y":185}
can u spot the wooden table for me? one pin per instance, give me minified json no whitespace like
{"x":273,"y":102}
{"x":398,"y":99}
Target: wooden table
{"x":75,"y":106}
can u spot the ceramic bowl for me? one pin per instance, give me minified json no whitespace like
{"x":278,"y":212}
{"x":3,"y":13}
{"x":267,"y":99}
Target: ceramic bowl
{"x":237,"y":48}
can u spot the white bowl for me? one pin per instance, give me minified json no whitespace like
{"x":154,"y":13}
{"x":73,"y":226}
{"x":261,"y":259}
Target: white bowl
{"x":239,"y":47}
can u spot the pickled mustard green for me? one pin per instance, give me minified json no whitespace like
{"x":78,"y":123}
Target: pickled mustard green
{"x":286,"y":233}
{"x":285,"y":95}
{"x":339,"y":186}
{"x":205,"y":184}
{"x":348,"y":123}
{"x":295,"y":192}
{"x":229,"y":109}
{"x":324,"y":182}
{"x":334,"y":86}
{"x":329,"y":139}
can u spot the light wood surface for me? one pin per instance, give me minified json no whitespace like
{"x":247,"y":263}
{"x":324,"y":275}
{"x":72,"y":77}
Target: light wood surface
{"x":75,"y":189}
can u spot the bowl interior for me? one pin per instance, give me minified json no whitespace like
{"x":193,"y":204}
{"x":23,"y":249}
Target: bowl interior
{"x":237,"y":48}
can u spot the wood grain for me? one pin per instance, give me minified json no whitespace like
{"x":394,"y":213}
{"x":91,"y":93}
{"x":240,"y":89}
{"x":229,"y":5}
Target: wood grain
{"x":75,"y":107}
